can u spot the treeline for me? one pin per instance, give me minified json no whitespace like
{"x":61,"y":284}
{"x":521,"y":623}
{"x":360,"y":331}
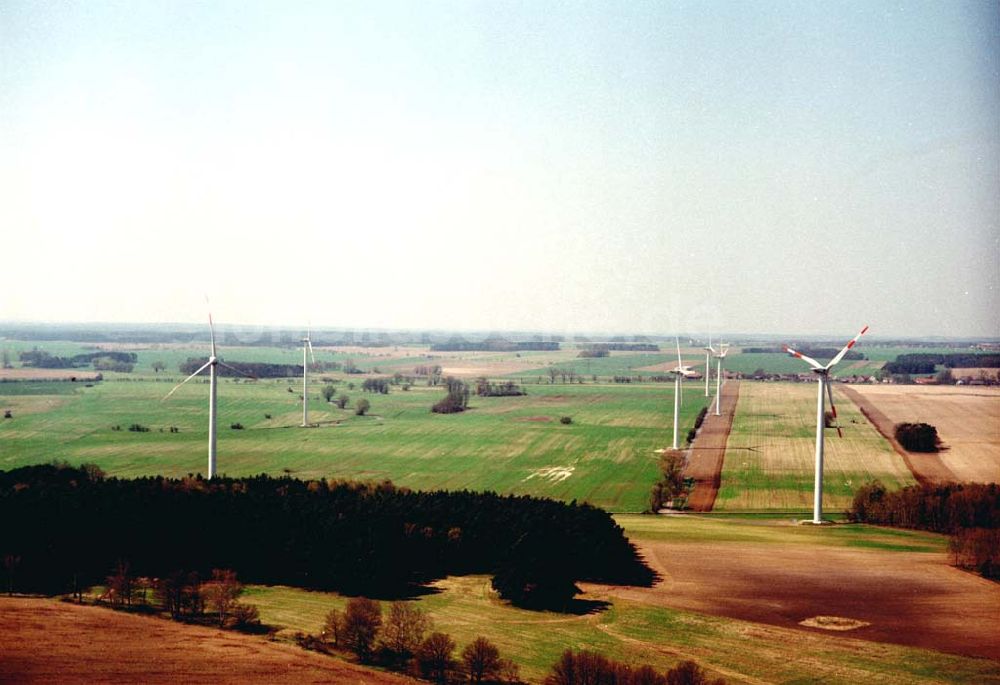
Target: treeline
{"x":924,"y":363}
{"x":101,"y":361}
{"x":504,"y":389}
{"x":593,"y":354}
{"x":814,"y":352}
{"x":590,"y":668}
{"x":379,"y":385}
{"x":968,"y":512}
{"x":495,"y":346}
{"x":622,"y":347}
{"x":255,"y":369}
{"x":73,"y":524}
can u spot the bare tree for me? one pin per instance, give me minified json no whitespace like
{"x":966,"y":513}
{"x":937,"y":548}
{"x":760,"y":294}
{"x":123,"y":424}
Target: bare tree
{"x":222,"y":593}
{"x":362,"y":620}
{"x":333,"y":628}
{"x":481,"y":660}
{"x":404,"y":628}
{"x":435,"y":656}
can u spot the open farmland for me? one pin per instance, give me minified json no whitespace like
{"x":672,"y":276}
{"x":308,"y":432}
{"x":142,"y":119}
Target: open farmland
{"x":47,"y":641}
{"x":770,"y":456}
{"x":967,"y":420}
{"x":513,"y":444}
{"x":699,"y":612}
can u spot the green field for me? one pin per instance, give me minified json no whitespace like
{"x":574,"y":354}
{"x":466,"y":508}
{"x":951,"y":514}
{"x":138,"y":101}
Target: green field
{"x":770,"y":456}
{"x":465,"y":607}
{"x":517,"y":444}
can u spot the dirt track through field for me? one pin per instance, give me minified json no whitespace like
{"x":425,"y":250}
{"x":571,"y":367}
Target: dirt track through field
{"x":47,"y":641}
{"x":928,"y":469}
{"x":709,"y":450}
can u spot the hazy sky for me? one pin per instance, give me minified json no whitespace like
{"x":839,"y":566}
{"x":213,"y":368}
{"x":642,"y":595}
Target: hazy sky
{"x":620,"y":166}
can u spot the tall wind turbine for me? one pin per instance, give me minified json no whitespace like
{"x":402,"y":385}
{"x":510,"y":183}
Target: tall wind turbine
{"x":723,"y":351}
{"x":709,"y":351}
{"x":823,"y":376}
{"x":306,"y":342}
{"x":679,"y":372}
{"x":212,"y":362}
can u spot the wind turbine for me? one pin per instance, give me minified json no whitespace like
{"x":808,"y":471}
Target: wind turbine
{"x":679,"y":372}
{"x":823,"y":376}
{"x":709,"y":351}
{"x":212,"y":362}
{"x":306,"y":342}
{"x":723,"y":351}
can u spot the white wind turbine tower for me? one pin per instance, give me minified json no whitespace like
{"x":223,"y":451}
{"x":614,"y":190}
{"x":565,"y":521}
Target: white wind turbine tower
{"x":709,"y":351}
{"x":723,"y":351}
{"x":212,"y":362}
{"x":823,"y":375}
{"x":306,"y":342}
{"x":679,"y":372}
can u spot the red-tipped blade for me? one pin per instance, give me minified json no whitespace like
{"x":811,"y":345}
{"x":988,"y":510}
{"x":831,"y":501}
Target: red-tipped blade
{"x":808,"y":360}
{"x":833,"y":409}
{"x":840,"y":355}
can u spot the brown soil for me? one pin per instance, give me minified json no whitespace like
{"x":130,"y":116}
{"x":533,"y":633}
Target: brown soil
{"x":907,"y":598}
{"x":538,"y":419}
{"x":28,"y":373}
{"x":709,"y":450}
{"x":926,"y":468}
{"x":47,"y":641}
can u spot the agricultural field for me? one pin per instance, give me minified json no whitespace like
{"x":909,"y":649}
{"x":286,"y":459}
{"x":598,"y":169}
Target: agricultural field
{"x":690,"y":615}
{"x":48,"y":641}
{"x":513,"y":444}
{"x":770,"y":456}
{"x":967,"y":420}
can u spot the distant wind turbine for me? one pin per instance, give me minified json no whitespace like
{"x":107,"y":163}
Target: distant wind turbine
{"x":306,"y":342}
{"x":679,"y":372}
{"x":723,"y":351}
{"x":823,"y":376}
{"x":709,"y":351}
{"x":212,"y":362}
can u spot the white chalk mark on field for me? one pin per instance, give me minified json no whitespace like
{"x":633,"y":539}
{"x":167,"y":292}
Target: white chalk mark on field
{"x":555,"y":474}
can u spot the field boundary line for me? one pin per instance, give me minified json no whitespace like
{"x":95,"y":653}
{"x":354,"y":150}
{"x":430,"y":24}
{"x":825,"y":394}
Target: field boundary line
{"x":708,"y":451}
{"x":930,"y":473}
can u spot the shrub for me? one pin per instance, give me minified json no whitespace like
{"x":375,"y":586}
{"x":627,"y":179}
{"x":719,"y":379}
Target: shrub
{"x":236,"y":426}
{"x":7,"y":414}
{"x":918,"y":437}
{"x":138,"y":428}
{"x":566,"y":420}
{"x":362,"y":406}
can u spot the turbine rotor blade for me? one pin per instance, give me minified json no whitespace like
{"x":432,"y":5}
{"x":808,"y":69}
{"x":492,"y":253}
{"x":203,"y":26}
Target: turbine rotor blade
{"x":211,"y":328}
{"x":840,"y":355}
{"x":242,"y":373}
{"x":204,"y":366}
{"x":311,"y":353}
{"x":680,"y":363}
{"x":833,"y":407}
{"x":808,"y":360}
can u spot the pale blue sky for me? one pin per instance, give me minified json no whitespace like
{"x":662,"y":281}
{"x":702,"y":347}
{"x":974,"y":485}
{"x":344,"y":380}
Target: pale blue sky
{"x":631,"y":167}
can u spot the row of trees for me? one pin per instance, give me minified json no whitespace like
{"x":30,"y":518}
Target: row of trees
{"x":968,"y":512}
{"x":255,"y":369}
{"x":404,"y":639}
{"x":589,"y":668}
{"x":101,"y":361}
{"x":495,"y":345}
{"x":183,"y":595}
{"x":379,"y":385}
{"x":376,"y":539}
{"x":504,"y":389}
{"x":925,"y":363}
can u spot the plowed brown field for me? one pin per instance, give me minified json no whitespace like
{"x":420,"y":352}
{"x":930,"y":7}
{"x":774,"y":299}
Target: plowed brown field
{"x":46,"y":641}
{"x":906,"y":597}
{"x":967,"y":420}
